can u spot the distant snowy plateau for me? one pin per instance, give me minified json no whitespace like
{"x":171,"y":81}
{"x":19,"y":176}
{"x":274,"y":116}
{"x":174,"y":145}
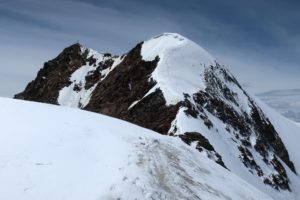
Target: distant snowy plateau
{"x":287,"y":102}
{"x":164,"y":121}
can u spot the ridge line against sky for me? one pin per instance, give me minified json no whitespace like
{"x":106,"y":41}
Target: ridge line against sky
{"x":258,"y":41}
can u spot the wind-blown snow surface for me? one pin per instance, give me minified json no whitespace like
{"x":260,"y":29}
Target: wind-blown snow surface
{"x":51,"y":152}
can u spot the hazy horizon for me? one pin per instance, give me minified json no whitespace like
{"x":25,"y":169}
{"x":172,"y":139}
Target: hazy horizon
{"x":258,"y":41}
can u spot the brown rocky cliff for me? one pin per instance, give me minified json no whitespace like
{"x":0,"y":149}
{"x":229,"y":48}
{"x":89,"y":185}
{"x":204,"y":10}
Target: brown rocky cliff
{"x":54,"y":76}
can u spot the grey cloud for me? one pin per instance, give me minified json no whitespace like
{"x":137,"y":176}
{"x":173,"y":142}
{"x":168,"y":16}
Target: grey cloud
{"x":250,"y":37}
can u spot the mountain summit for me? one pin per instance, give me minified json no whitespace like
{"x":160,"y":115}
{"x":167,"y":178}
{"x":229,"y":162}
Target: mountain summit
{"x":173,"y":86}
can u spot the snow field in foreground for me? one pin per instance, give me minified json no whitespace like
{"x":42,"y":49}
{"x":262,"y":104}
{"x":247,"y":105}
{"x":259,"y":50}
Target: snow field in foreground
{"x":51,"y":152}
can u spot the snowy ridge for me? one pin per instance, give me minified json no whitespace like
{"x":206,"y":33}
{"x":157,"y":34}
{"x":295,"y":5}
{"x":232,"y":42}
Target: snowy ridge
{"x":70,"y":160}
{"x":180,"y":67}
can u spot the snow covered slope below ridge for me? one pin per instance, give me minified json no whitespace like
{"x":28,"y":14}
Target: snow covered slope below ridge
{"x":291,"y":139}
{"x":51,"y":152}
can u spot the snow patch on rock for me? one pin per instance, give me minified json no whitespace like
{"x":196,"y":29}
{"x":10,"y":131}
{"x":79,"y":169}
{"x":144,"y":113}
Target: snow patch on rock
{"x":76,"y":95}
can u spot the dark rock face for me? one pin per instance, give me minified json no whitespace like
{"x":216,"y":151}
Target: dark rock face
{"x":248,"y":160}
{"x":54,"y":76}
{"x":267,"y":142}
{"x":124,"y":85}
{"x":268,"y":138}
{"x":202,"y":144}
{"x":153,"y":113}
{"x":129,"y":83}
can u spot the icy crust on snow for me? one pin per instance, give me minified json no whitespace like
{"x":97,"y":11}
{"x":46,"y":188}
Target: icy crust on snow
{"x":180,"y":67}
{"x":71,"y":97}
{"x":64,"y":153}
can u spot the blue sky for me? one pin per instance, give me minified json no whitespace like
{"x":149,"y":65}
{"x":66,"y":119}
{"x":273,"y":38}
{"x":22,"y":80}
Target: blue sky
{"x":258,"y":40}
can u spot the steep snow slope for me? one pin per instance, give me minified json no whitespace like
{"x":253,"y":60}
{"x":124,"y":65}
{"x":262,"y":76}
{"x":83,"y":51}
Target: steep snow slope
{"x":50,"y":152}
{"x":290,"y":134}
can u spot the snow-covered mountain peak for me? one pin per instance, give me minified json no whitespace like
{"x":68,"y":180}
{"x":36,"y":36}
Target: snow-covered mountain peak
{"x":173,"y":86}
{"x":167,"y":43}
{"x":180,"y":67}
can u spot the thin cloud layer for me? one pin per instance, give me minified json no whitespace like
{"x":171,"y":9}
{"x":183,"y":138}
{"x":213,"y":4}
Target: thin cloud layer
{"x":258,"y":40}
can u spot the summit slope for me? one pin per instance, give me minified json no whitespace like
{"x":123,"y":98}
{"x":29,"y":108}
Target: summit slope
{"x":181,"y":63}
